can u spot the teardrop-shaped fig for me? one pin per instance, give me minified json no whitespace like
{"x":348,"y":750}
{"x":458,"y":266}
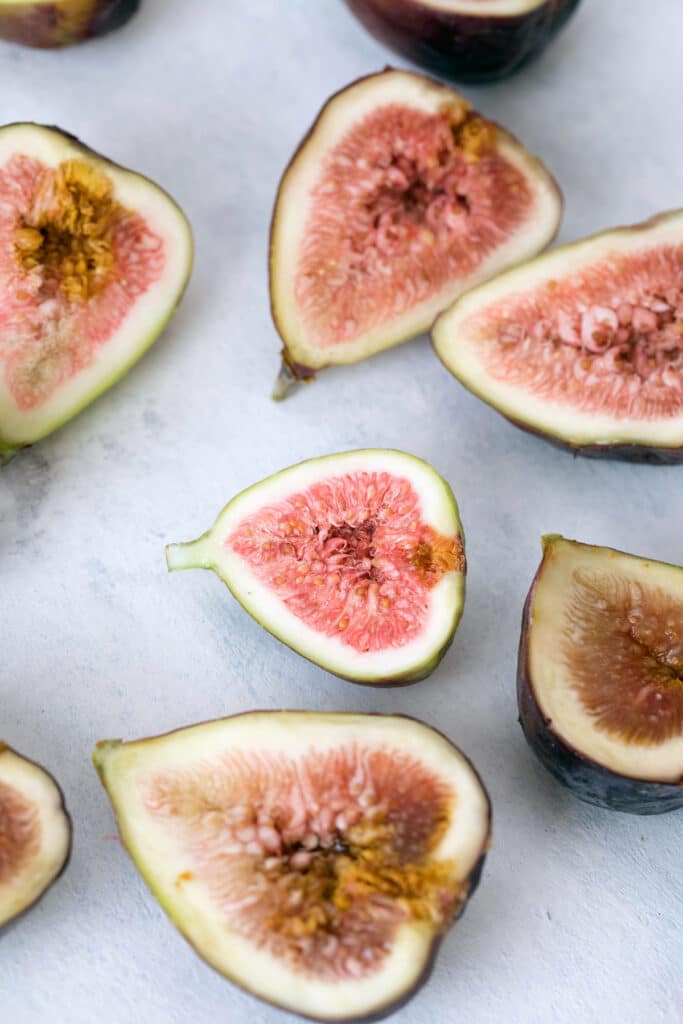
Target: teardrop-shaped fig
{"x":48,"y":24}
{"x":399,"y":198}
{"x":600,"y":678}
{"x":356,"y":561}
{"x":314,"y":859}
{"x":35,"y":833}
{"x":466,"y":40}
{"x":93,"y":262}
{"x":584,"y":345}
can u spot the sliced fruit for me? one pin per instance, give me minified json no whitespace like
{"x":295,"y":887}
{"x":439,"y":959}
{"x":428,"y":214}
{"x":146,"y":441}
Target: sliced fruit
{"x":53,"y":23}
{"x":600,"y":681}
{"x":314,"y":859}
{"x":467,"y":40}
{"x":399,"y":199}
{"x":356,"y":561}
{"x":93,"y":262}
{"x":35,"y":833}
{"x":584,"y":345}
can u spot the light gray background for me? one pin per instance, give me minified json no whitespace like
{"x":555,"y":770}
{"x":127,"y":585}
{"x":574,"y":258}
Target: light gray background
{"x":578,"y":918}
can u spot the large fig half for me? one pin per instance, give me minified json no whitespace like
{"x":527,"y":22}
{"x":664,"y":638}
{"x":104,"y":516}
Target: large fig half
{"x":93,"y":262}
{"x":313,"y":859}
{"x":467,"y":40}
{"x":600,"y":683}
{"x":35,"y":833}
{"x":584,"y":345}
{"x":399,"y":199}
{"x":355,"y":560}
{"x":54,"y":23}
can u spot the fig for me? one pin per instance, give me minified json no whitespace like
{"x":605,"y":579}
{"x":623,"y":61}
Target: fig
{"x":314,"y":859}
{"x":600,"y":675}
{"x":466,"y":40}
{"x":356,"y":561}
{"x":400,"y":198}
{"x":93,"y":261}
{"x":35,"y":833}
{"x":583,"y":346}
{"x":48,"y":24}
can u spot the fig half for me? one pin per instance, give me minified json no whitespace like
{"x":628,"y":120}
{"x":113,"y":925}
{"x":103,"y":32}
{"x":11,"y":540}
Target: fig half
{"x":356,"y":561}
{"x":35,"y":833}
{"x":600,"y":679}
{"x":93,"y":262}
{"x":466,"y":40}
{"x":48,"y":24}
{"x":399,"y":198}
{"x":314,"y":859}
{"x":584,"y":345}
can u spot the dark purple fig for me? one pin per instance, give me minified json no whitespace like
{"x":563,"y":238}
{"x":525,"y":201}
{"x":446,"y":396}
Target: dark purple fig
{"x":466,"y":40}
{"x":600,"y":675}
{"x":584,"y":345}
{"x":49,"y":24}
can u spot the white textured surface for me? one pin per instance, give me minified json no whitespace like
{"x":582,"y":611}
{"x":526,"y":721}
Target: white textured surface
{"x":579,"y":916}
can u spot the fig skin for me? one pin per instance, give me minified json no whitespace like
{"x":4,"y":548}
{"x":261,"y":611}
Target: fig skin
{"x":38,"y":25}
{"x":591,"y":782}
{"x":463,"y":47}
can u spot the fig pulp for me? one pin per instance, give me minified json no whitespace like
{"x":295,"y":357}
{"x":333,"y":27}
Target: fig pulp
{"x":356,"y":561}
{"x":399,"y":199}
{"x":466,"y":40}
{"x":583,"y":346}
{"x":600,"y":681}
{"x":35,"y":833}
{"x":93,"y":262}
{"x":53,"y":23}
{"x":314,"y":859}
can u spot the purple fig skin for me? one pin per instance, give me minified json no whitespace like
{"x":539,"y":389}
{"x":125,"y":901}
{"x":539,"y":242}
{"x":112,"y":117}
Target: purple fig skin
{"x":618,"y":452}
{"x":64,"y":22}
{"x":463,"y":47}
{"x":589,"y":781}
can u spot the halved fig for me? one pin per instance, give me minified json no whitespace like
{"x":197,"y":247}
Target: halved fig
{"x":583,"y":346}
{"x":35,"y":833}
{"x":600,"y":679}
{"x":314,"y":859}
{"x":466,"y":40}
{"x":93,"y":262}
{"x":356,"y":561}
{"x":399,"y":199}
{"x":53,"y":23}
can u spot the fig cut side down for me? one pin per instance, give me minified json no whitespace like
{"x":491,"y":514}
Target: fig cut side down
{"x":600,"y":676}
{"x":584,"y":345}
{"x":49,"y":24}
{"x":35,"y":833}
{"x":314,"y":859}
{"x":399,"y":199}
{"x":465,"y":40}
{"x":93,"y":262}
{"x":356,"y":561}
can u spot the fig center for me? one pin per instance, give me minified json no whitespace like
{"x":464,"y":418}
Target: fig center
{"x":19,"y":833}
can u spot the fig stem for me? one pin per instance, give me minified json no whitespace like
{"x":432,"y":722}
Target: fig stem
{"x":194,"y":554}
{"x":285,"y":383}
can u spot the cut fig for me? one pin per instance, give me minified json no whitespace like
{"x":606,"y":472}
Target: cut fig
{"x":466,"y":40}
{"x":600,"y":680}
{"x":583,"y":346}
{"x":356,"y":561}
{"x":399,"y":199}
{"x":314,"y":859}
{"x":54,"y":23}
{"x":94,"y":260}
{"x":35,"y":833}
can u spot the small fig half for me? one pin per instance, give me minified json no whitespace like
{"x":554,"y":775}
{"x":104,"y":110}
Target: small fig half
{"x":584,"y":345}
{"x":356,"y":561}
{"x":600,"y":679}
{"x":314,"y":859}
{"x":399,"y":199}
{"x":48,"y":24}
{"x":93,"y":262}
{"x":466,"y":40}
{"x":35,"y":833}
